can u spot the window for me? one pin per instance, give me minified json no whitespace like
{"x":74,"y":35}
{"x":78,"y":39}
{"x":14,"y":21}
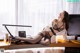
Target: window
{"x":7,"y":14}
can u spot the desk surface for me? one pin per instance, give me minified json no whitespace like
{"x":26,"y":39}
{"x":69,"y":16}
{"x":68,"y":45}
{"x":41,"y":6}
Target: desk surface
{"x":64,"y":45}
{"x":20,"y":46}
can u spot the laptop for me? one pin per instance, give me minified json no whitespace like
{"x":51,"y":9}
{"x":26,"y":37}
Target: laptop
{"x":22,"y":34}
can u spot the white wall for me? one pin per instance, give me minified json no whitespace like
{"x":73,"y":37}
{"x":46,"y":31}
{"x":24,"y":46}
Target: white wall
{"x":74,"y":7}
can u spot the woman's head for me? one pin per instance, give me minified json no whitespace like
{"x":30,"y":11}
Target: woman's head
{"x":64,"y":17}
{"x":61,"y":16}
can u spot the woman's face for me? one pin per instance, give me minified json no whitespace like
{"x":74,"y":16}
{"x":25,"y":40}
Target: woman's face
{"x":61,"y":16}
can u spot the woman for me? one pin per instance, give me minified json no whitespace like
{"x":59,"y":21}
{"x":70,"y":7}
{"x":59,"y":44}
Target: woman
{"x":44,"y":37}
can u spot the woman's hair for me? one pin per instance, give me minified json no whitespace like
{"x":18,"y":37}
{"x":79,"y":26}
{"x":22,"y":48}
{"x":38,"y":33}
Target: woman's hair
{"x":66,"y":20}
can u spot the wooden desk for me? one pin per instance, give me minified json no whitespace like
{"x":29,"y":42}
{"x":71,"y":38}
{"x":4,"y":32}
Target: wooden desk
{"x":64,"y":45}
{"x":20,"y":46}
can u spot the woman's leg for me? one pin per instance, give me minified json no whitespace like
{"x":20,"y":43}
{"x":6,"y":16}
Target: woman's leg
{"x":31,"y":40}
{"x":45,"y":41}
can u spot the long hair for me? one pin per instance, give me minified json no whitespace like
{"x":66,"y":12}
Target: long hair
{"x":66,"y":20}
